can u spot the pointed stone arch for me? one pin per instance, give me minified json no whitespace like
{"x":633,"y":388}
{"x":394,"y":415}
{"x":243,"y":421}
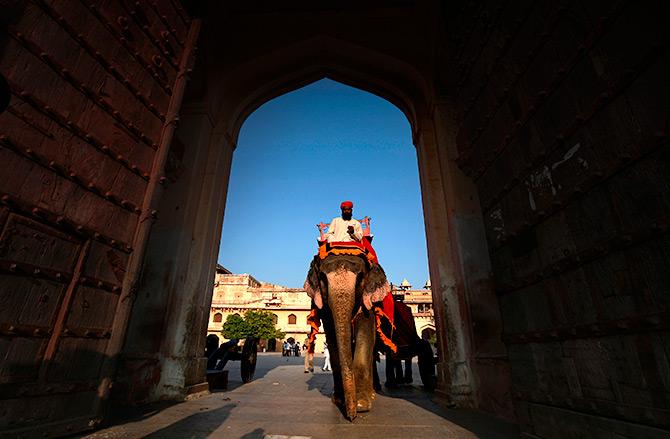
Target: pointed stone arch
{"x":220,"y":99}
{"x":263,"y":79}
{"x":426,"y":331}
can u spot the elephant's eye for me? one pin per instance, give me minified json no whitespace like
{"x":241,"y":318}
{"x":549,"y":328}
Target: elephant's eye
{"x":360,"y":280}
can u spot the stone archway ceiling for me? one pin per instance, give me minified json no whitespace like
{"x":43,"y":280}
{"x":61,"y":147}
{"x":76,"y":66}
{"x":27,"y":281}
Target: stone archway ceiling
{"x":283,"y":79}
{"x":252,"y":68}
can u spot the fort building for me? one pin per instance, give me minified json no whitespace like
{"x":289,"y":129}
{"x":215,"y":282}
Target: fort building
{"x":421,"y":303}
{"x":239,"y":293}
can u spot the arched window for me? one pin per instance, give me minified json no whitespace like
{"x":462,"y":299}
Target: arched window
{"x":291,"y":319}
{"x":217,"y":317}
{"x":275,"y":319}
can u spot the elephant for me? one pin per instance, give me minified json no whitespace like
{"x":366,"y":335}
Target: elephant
{"x":344,"y":288}
{"x":408,"y":345}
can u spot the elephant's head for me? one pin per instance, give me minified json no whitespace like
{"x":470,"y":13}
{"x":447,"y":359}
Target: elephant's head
{"x":370,"y":281}
{"x":342,"y":285}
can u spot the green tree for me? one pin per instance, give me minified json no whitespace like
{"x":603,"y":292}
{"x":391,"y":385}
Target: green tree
{"x":261,"y":324}
{"x":235,"y":327}
{"x":255,"y":323}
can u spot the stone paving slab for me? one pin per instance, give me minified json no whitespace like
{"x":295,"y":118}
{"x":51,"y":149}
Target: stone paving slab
{"x":283,"y":402}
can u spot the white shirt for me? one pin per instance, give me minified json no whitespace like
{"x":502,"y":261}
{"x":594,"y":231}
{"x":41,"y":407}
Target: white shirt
{"x":337,"y":230}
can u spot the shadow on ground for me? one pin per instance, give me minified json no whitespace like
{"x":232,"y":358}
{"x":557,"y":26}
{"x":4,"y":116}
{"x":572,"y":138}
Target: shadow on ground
{"x":124,"y":415}
{"x":258,"y":433}
{"x":425,"y":399}
{"x":196,"y":426}
{"x":262,"y":369}
{"x":197,"y":420}
{"x":468,"y":419}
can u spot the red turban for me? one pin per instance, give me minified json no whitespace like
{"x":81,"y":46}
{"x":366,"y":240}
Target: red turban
{"x":346,"y":204}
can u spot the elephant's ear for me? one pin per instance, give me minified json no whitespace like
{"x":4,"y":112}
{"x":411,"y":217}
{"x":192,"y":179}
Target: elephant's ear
{"x":312,"y":284}
{"x":376,"y":286}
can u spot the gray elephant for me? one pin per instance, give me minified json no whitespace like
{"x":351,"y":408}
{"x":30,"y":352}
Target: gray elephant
{"x":344,"y":289}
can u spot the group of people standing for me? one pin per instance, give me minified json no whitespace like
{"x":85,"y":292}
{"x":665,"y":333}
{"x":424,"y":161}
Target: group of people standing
{"x":291,"y":348}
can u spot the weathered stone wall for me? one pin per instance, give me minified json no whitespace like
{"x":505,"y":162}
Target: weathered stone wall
{"x":563,"y":124}
{"x":90,"y":84}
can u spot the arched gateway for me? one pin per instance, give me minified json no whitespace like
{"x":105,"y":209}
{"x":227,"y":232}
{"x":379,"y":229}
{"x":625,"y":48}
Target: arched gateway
{"x":220,"y":97}
{"x":115,"y":170}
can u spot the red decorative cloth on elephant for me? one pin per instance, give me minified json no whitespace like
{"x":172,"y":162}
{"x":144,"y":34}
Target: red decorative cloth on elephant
{"x":314,"y":323}
{"x":362,"y":248}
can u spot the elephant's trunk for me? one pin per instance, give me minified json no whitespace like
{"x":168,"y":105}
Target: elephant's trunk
{"x":341,"y":299}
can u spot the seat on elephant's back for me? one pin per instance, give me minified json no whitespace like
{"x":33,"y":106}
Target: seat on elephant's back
{"x":362,"y":249}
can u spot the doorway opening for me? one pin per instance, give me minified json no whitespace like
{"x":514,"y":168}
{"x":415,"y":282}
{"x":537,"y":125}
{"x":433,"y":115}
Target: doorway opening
{"x":297,"y":157}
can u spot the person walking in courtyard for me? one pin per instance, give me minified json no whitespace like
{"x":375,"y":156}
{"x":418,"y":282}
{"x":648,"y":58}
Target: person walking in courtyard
{"x":326,"y":361}
{"x":309,"y":356}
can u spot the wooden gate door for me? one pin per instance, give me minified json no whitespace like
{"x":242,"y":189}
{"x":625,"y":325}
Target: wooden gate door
{"x":95,"y":88}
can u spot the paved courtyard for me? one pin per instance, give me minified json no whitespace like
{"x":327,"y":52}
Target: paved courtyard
{"x":284,"y":402}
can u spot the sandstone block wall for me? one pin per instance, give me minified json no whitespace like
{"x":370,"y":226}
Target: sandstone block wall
{"x":90,"y":85}
{"x":563,"y":125}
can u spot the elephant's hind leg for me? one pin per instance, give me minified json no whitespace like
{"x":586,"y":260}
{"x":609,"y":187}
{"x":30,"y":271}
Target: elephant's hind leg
{"x":363,"y":358}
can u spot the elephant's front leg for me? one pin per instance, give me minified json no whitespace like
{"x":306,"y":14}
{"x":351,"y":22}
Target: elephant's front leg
{"x":335,"y":363}
{"x":363,"y":358}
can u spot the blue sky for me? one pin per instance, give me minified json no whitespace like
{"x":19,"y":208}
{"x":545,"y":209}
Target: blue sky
{"x":298,"y":156}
